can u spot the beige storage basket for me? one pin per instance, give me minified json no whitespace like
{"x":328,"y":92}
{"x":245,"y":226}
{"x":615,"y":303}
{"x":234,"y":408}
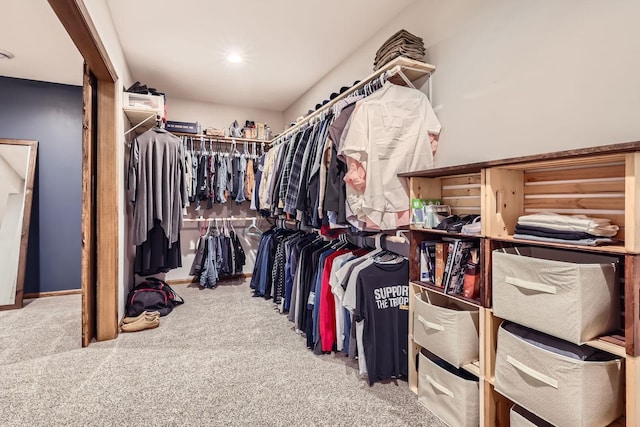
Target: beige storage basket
{"x":447,"y":328}
{"x":520,"y":417}
{"x":453,"y":399}
{"x":569,"y":295}
{"x":559,"y":389}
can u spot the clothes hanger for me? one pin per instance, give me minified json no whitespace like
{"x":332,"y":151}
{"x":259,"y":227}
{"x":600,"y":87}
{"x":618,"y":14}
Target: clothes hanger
{"x":388,"y":258}
{"x":253,"y":226}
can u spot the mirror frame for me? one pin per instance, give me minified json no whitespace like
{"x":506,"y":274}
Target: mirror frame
{"x":26,"y":219}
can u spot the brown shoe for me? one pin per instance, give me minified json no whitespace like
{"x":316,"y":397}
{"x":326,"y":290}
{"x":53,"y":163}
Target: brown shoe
{"x":141,"y":324}
{"x":147,"y":314}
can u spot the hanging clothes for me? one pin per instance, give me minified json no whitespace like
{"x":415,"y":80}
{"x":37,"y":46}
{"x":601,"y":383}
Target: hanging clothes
{"x":219,"y":255}
{"x":388,"y":134}
{"x":218,"y":176}
{"x":338,"y":294}
{"x":317,"y":174}
{"x":157,"y":189}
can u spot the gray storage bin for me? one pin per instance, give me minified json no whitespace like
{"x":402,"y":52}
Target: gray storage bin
{"x":447,"y":328}
{"x":566,"y":294}
{"x":453,"y":399}
{"x":545,"y":376}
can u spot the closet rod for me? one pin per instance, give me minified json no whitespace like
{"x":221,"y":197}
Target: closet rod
{"x":219,"y":219}
{"x":223,"y":139}
{"x":395,"y":67}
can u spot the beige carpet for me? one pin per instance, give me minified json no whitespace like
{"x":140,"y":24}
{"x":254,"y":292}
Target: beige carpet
{"x":224,"y":358}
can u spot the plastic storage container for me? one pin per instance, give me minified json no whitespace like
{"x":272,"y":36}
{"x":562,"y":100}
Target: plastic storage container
{"x":139,"y":101}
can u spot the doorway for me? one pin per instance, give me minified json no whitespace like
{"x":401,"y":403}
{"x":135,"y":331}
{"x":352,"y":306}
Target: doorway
{"x":99,"y":176}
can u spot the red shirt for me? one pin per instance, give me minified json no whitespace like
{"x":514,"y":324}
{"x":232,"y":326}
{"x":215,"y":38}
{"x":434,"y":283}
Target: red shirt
{"x":327,"y":317}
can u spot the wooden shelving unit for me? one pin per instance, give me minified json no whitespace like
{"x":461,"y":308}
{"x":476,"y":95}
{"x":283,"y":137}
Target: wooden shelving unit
{"x":598,"y":182}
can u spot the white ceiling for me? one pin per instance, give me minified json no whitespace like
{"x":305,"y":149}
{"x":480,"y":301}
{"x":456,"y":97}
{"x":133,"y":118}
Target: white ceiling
{"x":180,"y":47}
{"x":43,"y":50}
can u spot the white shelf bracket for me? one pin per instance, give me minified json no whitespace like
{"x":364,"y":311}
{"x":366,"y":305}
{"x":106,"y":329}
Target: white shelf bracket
{"x":152,"y":116}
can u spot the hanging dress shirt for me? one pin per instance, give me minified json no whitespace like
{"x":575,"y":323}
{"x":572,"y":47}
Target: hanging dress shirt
{"x":388,"y":134}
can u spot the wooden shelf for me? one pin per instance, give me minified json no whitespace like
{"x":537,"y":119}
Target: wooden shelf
{"x":473,"y":368}
{"x":433,"y":288}
{"x":598,"y":182}
{"x":610,"y":345}
{"x":412,"y":69}
{"x":617,"y":249}
{"x":570,"y":155}
{"x":445,"y":233}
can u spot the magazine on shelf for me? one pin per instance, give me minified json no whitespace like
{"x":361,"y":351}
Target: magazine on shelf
{"x":471,"y":287}
{"x":442,"y":249}
{"x":428,"y":261}
{"x":459,"y":255}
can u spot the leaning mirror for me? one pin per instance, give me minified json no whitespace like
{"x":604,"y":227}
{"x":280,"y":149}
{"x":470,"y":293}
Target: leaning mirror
{"x":17,"y":169}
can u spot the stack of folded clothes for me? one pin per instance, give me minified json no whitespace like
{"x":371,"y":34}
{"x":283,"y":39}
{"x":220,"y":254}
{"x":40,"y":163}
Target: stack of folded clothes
{"x":573,"y":229}
{"x":402,"y":43}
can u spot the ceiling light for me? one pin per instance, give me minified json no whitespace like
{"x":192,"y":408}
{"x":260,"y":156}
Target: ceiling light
{"x":234,"y":58}
{"x":4,"y":54}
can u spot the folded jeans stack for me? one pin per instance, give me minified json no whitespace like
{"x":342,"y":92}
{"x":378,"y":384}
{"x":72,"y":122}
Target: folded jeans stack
{"x":402,"y":43}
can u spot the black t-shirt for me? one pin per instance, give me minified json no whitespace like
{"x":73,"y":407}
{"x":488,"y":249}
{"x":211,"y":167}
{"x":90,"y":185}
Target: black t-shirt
{"x":382,"y":301}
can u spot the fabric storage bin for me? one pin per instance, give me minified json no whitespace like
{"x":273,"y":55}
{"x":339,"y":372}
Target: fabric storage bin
{"x":447,"y":328}
{"x":520,"y":417}
{"x":570,"y":295}
{"x":549,"y":377}
{"x":455,"y":399}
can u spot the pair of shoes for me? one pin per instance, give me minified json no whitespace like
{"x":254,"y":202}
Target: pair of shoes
{"x":145,"y":320}
{"x":140,"y":316}
{"x":456,"y":226}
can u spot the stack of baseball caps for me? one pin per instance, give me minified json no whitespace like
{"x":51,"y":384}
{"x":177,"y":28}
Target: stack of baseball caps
{"x":402,"y":43}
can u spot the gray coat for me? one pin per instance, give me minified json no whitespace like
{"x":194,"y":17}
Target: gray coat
{"x":157,"y":186}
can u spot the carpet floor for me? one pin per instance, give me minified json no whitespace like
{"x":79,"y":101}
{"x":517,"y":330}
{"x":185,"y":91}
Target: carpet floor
{"x":223,"y":358}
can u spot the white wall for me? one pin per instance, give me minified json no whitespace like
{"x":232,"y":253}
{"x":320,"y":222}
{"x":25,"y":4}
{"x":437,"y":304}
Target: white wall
{"x":516,"y":78}
{"x":221,"y":116}
{"x":101,"y":17}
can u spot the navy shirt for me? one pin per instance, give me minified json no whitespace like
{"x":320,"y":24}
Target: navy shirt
{"x":382,"y":301}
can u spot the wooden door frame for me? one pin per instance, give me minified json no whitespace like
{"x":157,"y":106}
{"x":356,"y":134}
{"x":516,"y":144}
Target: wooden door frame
{"x":76,"y":20}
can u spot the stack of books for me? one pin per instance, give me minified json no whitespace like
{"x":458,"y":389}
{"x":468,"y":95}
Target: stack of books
{"x":451,"y":264}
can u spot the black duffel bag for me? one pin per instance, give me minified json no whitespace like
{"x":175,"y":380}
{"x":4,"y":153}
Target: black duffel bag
{"x":152,"y":295}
